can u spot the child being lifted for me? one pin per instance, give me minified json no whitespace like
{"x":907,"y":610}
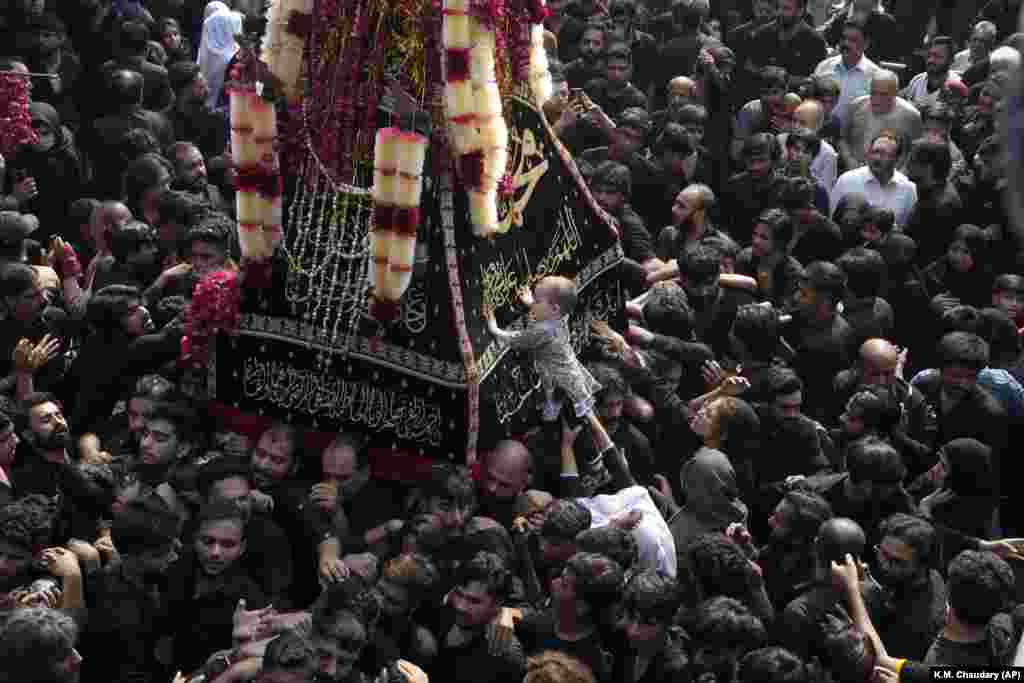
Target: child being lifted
{"x":546,"y":339}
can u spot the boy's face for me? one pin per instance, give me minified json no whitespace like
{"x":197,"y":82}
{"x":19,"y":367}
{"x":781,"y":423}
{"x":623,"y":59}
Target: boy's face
{"x":545,"y":304}
{"x":618,"y":72}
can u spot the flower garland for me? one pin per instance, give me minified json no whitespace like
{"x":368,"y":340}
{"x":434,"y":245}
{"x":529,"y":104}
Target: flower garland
{"x":476,"y":128}
{"x":214,"y":308}
{"x":15,"y":120}
{"x":259,"y":184}
{"x":399,"y":157}
{"x":284,"y":40}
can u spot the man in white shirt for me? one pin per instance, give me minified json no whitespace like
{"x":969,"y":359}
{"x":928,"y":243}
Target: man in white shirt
{"x":879,"y":181}
{"x":979,"y":46}
{"x":925,"y":89}
{"x":870,"y":115}
{"x":851,"y":69}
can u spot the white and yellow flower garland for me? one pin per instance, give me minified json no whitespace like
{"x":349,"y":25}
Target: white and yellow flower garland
{"x":476,"y":128}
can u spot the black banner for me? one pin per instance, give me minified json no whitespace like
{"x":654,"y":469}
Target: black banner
{"x":407,"y":385}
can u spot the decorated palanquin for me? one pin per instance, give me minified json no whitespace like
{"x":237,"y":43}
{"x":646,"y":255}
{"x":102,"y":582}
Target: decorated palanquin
{"x":412,"y":184}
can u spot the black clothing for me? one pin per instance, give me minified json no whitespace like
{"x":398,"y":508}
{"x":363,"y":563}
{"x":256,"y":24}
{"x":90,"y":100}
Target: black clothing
{"x":746,"y":197}
{"x":932,"y":222}
{"x":103,"y":137}
{"x":822,"y":350}
{"x":799,"y":56}
{"x":615,"y":103}
{"x":869,"y":318}
{"x":201,"y":610}
{"x":579,"y":73}
{"x":466,"y":663}
{"x":911,"y":616}
{"x":881,"y":29}
{"x":156,"y":89}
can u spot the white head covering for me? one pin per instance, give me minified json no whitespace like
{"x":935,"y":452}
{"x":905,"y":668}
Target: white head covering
{"x":217,"y":45}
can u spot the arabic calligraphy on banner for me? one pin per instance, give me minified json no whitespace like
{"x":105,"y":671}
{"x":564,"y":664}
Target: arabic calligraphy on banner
{"x":284,"y":386}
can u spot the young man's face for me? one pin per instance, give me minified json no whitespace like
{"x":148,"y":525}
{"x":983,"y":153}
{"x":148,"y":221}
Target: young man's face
{"x":206,"y":257}
{"x":618,"y":72}
{"x":591,"y":46}
{"x":48,"y":427}
{"x":272,"y":460}
{"x":219,"y":544}
{"x":160,"y":443}
{"x":610,"y":199}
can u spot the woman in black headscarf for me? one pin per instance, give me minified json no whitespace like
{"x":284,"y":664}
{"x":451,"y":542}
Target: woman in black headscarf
{"x":967,"y":499}
{"x":55,"y":164}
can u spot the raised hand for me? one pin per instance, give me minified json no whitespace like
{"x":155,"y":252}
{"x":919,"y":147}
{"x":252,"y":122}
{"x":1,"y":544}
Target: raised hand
{"x":61,"y":562}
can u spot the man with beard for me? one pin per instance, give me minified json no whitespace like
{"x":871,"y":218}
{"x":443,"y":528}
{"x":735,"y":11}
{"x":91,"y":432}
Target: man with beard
{"x":680,"y":91}
{"x":467,"y":645}
{"x":815,"y":236}
{"x":643,"y":45}
{"x":135,"y":248}
{"x":654,"y":650}
{"x":44,"y":41}
{"x":339,"y":637}
{"x":714,"y":307}
{"x":868,"y":116}
{"x":191,"y":118}
{"x":26,"y":314}
{"x":126,"y":598}
{"x":872,"y":487}
{"x":205,"y":587}
{"x":119,"y":436}
{"x":612,"y":187}
{"x":268,"y":556}
{"x":38,"y":644}
{"x":964,"y":408}
{"x":564,"y":521}
{"x":504,"y":475}
{"x":757,"y":188}
{"x":925,"y":89}
{"x":691,"y":222}
{"x":190,"y":174}
{"x":938,"y":211}
{"x":613,"y":91}
{"x":46,"y":465}
{"x":407,"y":583}
{"x":985,"y":196}
{"x":345,"y":488}
{"x":631,"y":441}
{"x":819,"y":334}
{"x":590,"y":64}
{"x":679,"y":55}
{"x":126,"y":343}
{"x":916,"y":432}
{"x":275,"y":464}
{"x":126,"y":89}
{"x":788,"y":41}
{"x":911,"y":607}
{"x":787,"y":561}
{"x":739,"y":40}
{"x":764,"y":114}
{"x":799,"y":445}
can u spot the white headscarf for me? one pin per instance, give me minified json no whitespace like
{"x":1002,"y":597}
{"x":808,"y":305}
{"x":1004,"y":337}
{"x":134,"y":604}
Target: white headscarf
{"x":217,"y":46}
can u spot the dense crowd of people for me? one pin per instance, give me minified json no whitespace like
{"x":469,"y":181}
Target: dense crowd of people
{"x":798,"y":464}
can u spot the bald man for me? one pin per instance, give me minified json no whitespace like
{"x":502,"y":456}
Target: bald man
{"x":504,"y":476}
{"x":881,"y":110}
{"x":680,"y":92}
{"x":877,"y":364}
{"x":810,"y":115}
{"x":689,"y":221}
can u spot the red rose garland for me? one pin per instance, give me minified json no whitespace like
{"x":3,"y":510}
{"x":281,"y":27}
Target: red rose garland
{"x":15,"y":120}
{"x":214,"y":308}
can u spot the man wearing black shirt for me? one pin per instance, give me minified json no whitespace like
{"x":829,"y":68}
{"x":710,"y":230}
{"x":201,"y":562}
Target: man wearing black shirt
{"x":612,"y":187}
{"x":819,"y":334}
{"x":788,"y":41}
{"x":590,"y":64}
